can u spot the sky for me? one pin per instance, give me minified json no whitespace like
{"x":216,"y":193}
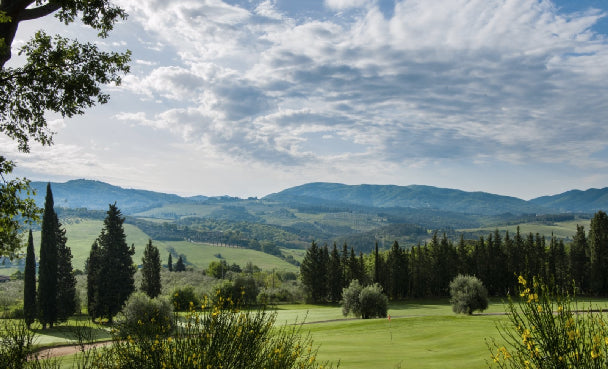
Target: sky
{"x":247,"y":98}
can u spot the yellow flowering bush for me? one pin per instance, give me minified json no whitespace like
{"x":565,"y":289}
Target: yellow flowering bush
{"x":221,"y":336}
{"x":546,"y":329}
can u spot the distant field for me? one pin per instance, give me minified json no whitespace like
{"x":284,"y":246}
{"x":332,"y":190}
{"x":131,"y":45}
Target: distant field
{"x":563,"y":230}
{"x":82,"y":233}
{"x":201,"y":254}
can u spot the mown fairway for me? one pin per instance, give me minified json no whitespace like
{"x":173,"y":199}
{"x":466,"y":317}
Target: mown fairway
{"x":420,"y":334}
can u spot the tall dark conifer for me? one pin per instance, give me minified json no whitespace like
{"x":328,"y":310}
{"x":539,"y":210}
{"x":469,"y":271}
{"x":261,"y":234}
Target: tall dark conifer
{"x":66,"y":281}
{"x":47,"y":272}
{"x":170,"y":263}
{"x":579,"y":259}
{"x":29,"y":283}
{"x":150,"y":271}
{"x":114,"y":282}
{"x":179,"y":265}
{"x":93,"y":266}
{"x":598,"y":245}
{"x":334,"y":275}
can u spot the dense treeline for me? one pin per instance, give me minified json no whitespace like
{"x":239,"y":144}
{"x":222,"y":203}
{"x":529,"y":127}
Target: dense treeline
{"x":426,"y":270}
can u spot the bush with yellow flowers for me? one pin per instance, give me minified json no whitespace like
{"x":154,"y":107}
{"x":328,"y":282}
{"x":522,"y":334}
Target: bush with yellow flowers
{"x":220,"y":336}
{"x":546,"y":329}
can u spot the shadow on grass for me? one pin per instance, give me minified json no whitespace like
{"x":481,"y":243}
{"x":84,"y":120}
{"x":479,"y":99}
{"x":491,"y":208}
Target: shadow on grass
{"x":76,"y":329}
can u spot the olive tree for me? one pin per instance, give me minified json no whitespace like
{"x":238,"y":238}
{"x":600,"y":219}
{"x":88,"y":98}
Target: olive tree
{"x":468,"y":294}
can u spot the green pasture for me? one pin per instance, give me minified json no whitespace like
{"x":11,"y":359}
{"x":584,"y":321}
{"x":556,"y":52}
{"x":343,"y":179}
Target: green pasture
{"x":564,"y":230}
{"x":81,"y":234}
{"x":201,"y":254}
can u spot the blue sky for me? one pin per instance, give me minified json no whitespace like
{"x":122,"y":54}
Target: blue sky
{"x":245,"y":98}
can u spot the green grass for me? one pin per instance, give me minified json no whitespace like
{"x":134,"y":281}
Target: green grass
{"x":565,"y":230}
{"x":201,"y":254}
{"x":82,"y":233}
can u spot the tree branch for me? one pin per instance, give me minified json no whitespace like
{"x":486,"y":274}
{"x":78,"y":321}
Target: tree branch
{"x":39,"y":12}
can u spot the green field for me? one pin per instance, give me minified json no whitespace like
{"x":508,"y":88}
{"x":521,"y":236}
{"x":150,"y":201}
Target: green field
{"x":82,"y":233}
{"x":563,"y":230}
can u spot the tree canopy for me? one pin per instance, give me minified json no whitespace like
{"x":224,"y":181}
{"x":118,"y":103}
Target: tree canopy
{"x":58,"y":75}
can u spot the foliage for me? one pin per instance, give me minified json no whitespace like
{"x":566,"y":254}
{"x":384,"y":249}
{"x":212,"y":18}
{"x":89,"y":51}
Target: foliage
{"x":179,"y":265}
{"x":29,"y":284}
{"x":184,"y":298}
{"x":150,"y":270}
{"x":243,"y":290}
{"x":313,"y":272}
{"x":546,"y":329}
{"x":216,"y":338}
{"x":144,"y":316}
{"x":67,"y":299}
{"x":47,"y":273}
{"x":468,"y":294}
{"x":111,"y":268}
{"x":13,"y":208}
{"x":598,"y":245}
{"x":350,"y":299}
{"x":16,"y":345}
{"x":373,"y":303}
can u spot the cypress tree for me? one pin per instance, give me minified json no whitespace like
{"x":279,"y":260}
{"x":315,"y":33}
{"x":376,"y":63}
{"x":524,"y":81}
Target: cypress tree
{"x":66,"y":281}
{"x":29,"y":284}
{"x":150,"y":271}
{"x":334,"y":275}
{"x":170,"y":263}
{"x":180,"y":266}
{"x":92,"y":269}
{"x":579,"y":259}
{"x":598,"y":245}
{"x":47,"y":272}
{"x":115,"y":280}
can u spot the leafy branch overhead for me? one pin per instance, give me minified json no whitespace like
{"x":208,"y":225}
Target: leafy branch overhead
{"x":58,"y":75}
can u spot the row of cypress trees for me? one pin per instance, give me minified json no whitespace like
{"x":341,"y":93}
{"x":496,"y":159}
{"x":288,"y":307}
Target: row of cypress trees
{"x":110,"y":271}
{"x":54,"y":299}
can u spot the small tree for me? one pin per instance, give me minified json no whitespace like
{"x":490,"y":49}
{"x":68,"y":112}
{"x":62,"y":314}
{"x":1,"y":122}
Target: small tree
{"x":29,"y":284}
{"x":468,"y":294}
{"x":170,"y":263}
{"x":180,"y":266}
{"x":150,"y":271}
{"x":183,"y":299}
{"x":145,"y":316}
{"x":350,"y":299}
{"x":374,"y":304}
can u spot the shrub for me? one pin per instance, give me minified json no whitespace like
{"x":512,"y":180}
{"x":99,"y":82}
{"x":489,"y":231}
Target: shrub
{"x":546,"y":329}
{"x":468,"y":294}
{"x":350,"y":299}
{"x":366,"y":302}
{"x":142,"y":315}
{"x":16,"y":345}
{"x":217,"y":338}
{"x":373,"y":302}
{"x":184,"y":299}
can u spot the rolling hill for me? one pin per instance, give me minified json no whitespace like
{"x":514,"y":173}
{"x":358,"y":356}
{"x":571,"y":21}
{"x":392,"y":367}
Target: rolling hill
{"x":587,"y":201}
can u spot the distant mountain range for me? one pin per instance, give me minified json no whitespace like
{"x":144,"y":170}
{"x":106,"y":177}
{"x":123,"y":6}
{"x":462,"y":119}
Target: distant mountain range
{"x":95,"y":195}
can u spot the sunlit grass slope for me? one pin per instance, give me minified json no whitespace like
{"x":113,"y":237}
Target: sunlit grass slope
{"x":82,"y":233}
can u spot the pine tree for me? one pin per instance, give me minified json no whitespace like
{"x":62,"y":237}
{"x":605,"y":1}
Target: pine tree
{"x":598,"y":245}
{"x":170,"y":263}
{"x":334,"y":275}
{"x":66,"y":281}
{"x":114,"y":275}
{"x":579,"y":259}
{"x":180,"y":266}
{"x":47,"y":272}
{"x":150,"y":271}
{"x":313,"y":272}
{"x":93,"y":265}
{"x":29,"y":284}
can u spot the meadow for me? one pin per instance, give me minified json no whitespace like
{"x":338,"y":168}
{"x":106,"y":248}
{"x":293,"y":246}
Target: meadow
{"x":82,"y":233}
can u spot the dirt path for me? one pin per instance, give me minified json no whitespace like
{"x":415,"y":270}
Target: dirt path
{"x":51,"y":352}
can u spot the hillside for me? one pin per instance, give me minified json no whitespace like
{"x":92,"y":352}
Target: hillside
{"x":415,"y":196}
{"x":588,"y":201}
{"x":95,"y":195}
